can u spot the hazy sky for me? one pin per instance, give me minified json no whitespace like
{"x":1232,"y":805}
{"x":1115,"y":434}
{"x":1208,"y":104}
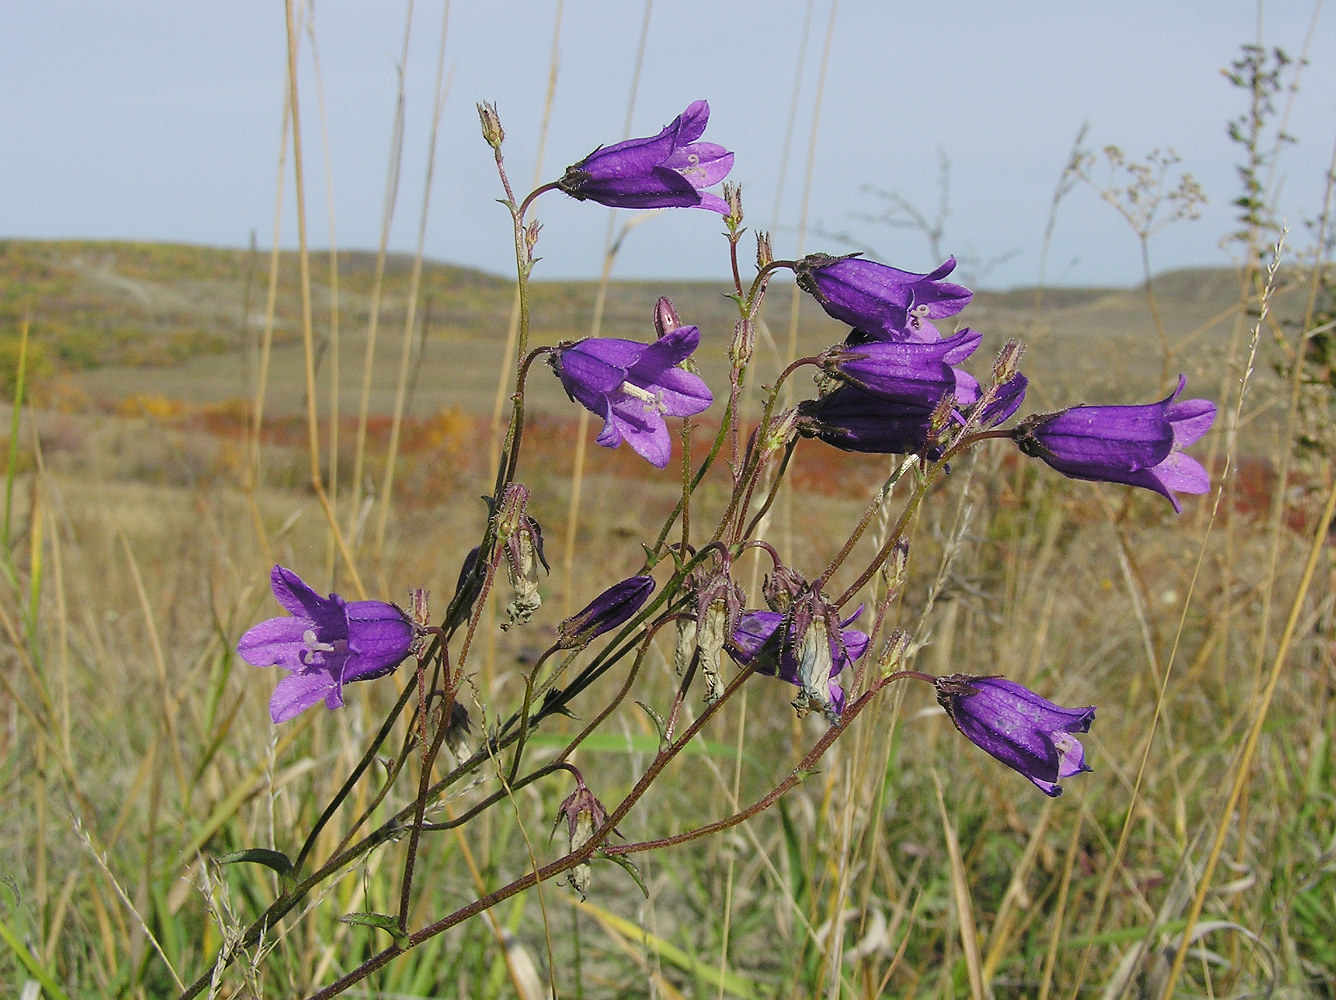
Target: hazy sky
{"x":162,"y":121}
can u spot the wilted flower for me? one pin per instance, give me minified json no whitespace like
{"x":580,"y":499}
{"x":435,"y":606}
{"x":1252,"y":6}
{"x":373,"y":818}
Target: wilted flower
{"x":633,"y":386}
{"x":583,"y":814}
{"x":521,"y":543}
{"x":1136,"y":445}
{"x":663,"y":171}
{"x":791,"y":657}
{"x":716,"y":602}
{"x":878,"y":301}
{"x":327,"y":643}
{"x":1028,"y":733}
{"x":613,"y":607}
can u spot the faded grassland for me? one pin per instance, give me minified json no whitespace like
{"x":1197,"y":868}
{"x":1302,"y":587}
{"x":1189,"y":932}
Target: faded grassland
{"x":135,"y":746}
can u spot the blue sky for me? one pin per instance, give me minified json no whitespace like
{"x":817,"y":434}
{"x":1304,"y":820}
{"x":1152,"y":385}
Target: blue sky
{"x":161,"y":121}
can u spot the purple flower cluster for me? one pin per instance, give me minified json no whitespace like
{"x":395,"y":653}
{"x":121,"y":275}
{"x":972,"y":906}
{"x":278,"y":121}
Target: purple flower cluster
{"x":895,"y":385}
{"x":901,"y":387}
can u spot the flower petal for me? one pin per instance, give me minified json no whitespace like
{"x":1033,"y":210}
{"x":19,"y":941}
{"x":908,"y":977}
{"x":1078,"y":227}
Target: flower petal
{"x":324,"y":613}
{"x":276,"y":642}
{"x":299,"y":690}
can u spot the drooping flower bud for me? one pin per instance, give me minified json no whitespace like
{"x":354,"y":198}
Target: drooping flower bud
{"x":1026,"y":732}
{"x":614,"y":607}
{"x":1136,"y":445}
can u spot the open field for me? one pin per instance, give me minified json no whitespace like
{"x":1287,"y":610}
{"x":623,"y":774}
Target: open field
{"x":135,"y":747}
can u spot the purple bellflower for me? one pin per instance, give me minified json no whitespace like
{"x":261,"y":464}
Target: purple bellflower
{"x":612,"y":608}
{"x":1136,"y":445}
{"x":911,"y":372}
{"x":853,"y":419}
{"x":893,"y":389}
{"x":756,"y":640}
{"x":881,"y":302}
{"x":668,"y":170}
{"x":633,"y":386}
{"x":1028,"y":733}
{"x":326,"y":643}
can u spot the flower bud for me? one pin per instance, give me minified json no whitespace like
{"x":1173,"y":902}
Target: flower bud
{"x":764,"y":255}
{"x":614,"y":607}
{"x":666,"y":319}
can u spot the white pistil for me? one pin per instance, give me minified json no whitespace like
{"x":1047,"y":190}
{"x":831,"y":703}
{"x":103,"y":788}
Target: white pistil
{"x":653,"y":401}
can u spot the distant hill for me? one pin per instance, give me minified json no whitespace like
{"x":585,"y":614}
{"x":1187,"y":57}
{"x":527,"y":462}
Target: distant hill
{"x":122,"y":317}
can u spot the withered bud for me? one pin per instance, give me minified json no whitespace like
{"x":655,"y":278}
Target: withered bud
{"x":780,"y":588}
{"x":685,"y":647}
{"x":941,"y":416}
{"x":815,"y":665}
{"x":764,"y":255}
{"x":1008,"y":361}
{"x":895,"y":570}
{"x":521,"y":542}
{"x":458,"y":731}
{"x":744,"y":343}
{"x":893,"y":653}
{"x":780,"y":432}
{"x":531,"y":232}
{"x":733,"y":199}
{"x":492,"y":131}
{"x":719,"y":603}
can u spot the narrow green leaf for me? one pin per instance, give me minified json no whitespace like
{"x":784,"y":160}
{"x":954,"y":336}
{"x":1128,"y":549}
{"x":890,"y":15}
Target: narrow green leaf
{"x":276,"y":860}
{"x":631,"y":869}
{"x":381,"y":921}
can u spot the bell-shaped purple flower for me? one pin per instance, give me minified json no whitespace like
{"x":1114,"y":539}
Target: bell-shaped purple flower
{"x":882,"y":302}
{"x":1028,"y":733}
{"x":612,"y":608}
{"x":853,"y":419}
{"x":668,"y":170}
{"x":758,"y":639}
{"x":915,"y":373}
{"x":633,"y":386}
{"x":1137,"y":445}
{"x":327,"y":643}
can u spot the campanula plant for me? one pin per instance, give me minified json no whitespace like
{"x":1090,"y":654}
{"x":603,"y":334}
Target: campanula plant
{"x":896,"y":384}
